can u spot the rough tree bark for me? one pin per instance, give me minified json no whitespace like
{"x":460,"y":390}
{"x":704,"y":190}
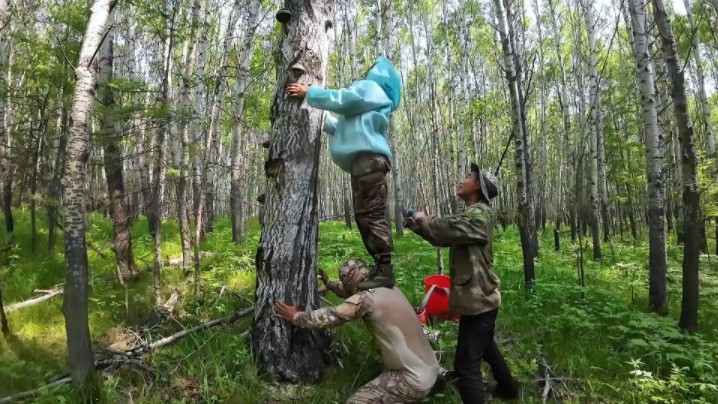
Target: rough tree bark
{"x":286,"y":255}
{"x":113,"y":161}
{"x":654,"y":161}
{"x":689,"y":163}
{"x":526,"y":222}
{"x":239,"y":162}
{"x":81,"y":357}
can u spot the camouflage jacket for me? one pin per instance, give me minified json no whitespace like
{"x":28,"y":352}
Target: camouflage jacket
{"x":474,"y":285}
{"x":394,"y":325}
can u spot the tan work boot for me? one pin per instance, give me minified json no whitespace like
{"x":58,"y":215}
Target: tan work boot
{"x":381,"y":277}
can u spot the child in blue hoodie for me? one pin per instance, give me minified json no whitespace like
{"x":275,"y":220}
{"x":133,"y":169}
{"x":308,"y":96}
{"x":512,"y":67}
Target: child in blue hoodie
{"x":359,"y":146}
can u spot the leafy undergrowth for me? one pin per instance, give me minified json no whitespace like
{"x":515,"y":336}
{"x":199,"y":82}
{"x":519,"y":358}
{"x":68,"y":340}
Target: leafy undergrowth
{"x":599,"y":343}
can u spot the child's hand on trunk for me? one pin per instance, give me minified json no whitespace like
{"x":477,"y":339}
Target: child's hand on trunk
{"x":297,"y":90}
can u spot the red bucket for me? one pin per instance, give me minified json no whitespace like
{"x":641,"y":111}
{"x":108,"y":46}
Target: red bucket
{"x":438,"y":303}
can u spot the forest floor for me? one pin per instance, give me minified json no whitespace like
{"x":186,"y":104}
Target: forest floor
{"x":593,"y":344}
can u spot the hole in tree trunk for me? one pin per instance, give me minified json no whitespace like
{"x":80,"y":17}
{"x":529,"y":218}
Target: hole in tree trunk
{"x":272,"y":167}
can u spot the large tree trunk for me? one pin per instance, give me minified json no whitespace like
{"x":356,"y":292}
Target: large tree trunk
{"x":594,"y":128}
{"x":654,"y":161}
{"x":113,"y":162}
{"x":81,"y":357}
{"x":239,"y":161}
{"x":287,"y":253}
{"x":689,"y":163}
{"x":526,"y":223}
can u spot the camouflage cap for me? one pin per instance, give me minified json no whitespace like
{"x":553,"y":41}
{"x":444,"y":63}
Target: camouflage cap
{"x":352,"y":272}
{"x":488,"y":182}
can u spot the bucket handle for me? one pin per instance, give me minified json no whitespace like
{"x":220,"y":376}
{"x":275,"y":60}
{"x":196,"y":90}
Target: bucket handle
{"x":422,"y":306}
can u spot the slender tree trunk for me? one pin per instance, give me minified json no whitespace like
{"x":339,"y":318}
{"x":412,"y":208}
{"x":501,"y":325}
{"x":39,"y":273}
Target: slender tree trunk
{"x":594,"y":128}
{"x":159,"y":169}
{"x":689,"y":163}
{"x":526,"y":223}
{"x":239,"y":162}
{"x":143,"y":147}
{"x":286,"y":256}
{"x":188,"y":112}
{"x":350,"y":28}
{"x":38,"y":147}
{"x":388,"y":34}
{"x":113,"y":161}
{"x":205,"y":201}
{"x":55,"y":188}
{"x":676,"y":152}
{"x":3,"y":318}
{"x":654,"y":161}
{"x":207,"y":166}
{"x":81,"y":357}
{"x":6,"y":165}
{"x":705,"y":106}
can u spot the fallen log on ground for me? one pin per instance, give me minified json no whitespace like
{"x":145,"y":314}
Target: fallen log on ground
{"x":146,"y":348}
{"x":58,"y":289}
{"x":48,"y":294}
{"x":32,"y":393}
{"x":134,"y":353}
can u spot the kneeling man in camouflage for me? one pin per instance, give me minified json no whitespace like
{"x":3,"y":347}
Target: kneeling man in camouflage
{"x":410,"y":366}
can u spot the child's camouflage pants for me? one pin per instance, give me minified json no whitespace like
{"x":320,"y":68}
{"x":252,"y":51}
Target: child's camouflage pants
{"x":369,"y":190}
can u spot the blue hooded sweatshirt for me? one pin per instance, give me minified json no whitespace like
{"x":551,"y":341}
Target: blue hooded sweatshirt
{"x":364,"y":110}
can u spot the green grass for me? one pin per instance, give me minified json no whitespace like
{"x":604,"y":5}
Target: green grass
{"x":592,"y":338}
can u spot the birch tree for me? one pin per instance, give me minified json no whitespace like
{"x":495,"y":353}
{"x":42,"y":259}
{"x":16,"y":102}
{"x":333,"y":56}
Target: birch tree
{"x":5,"y":159}
{"x":526,"y":221}
{"x":654,"y":160}
{"x":245,"y":59}
{"x":205,"y":166}
{"x":81,"y":357}
{"x":705,"y":106}
{"x":187,"y":113}
{"x":595,"y":137}
{"x":113,"y":161}
{"x":689,"y":163}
